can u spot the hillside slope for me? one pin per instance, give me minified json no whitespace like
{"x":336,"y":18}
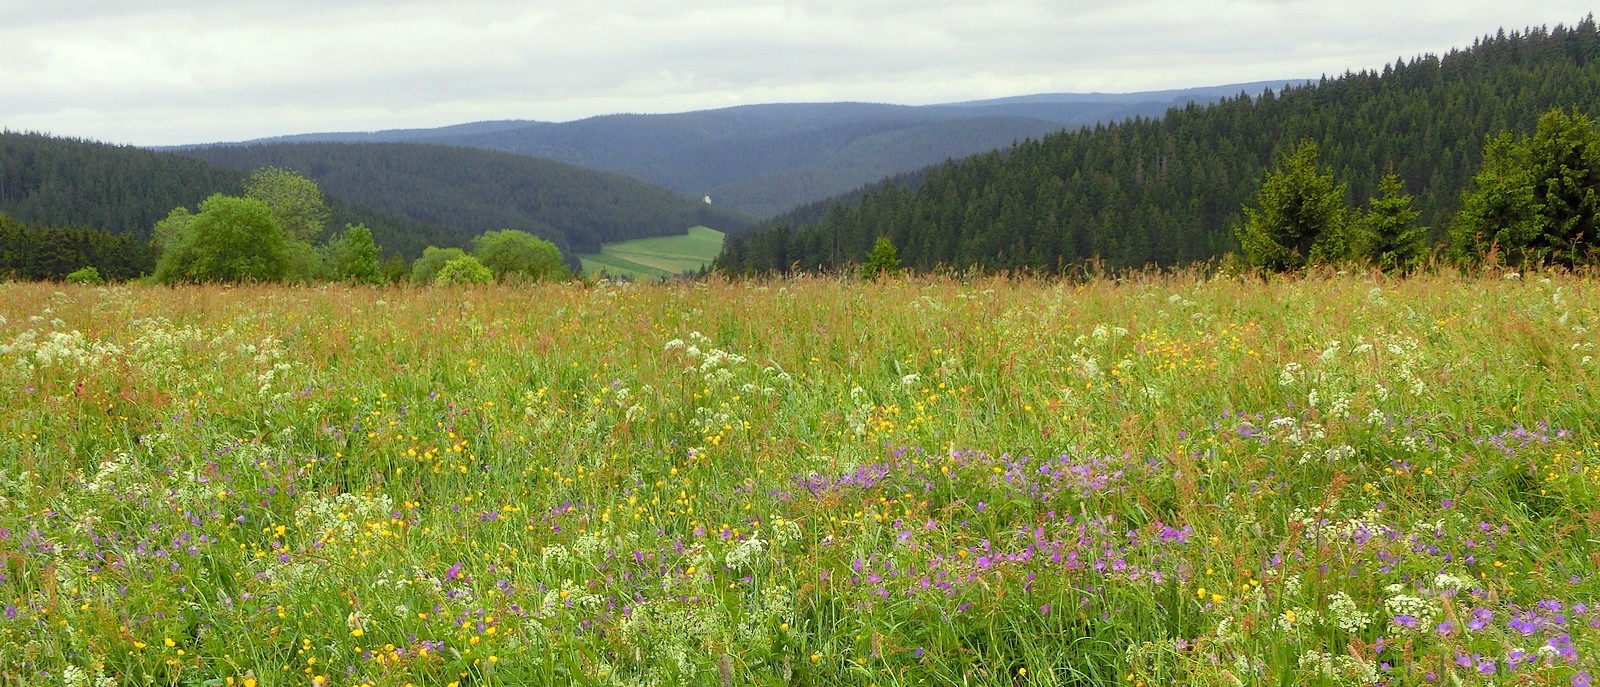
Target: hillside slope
{"x":126,"y":190}
{"x":1166,"y":191}
{"x":481,"y":190}
{"x":764,"y":159}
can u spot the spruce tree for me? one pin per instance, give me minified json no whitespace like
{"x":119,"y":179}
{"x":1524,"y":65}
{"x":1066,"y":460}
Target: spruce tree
{"x":1300,"y":215}
{"x":1536,"y":198}
{"x":1389,"y":227}
{"x":882,"y":261}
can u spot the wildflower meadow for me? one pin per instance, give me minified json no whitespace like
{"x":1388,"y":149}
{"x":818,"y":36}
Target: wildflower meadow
{"x":1326,"y":479}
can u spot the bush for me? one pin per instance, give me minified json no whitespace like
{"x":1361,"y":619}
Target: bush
{"x":86,"y":275}
{"x":426,"y":269}
{"x":353,"y":256}
{"x":464,"y":270}
{"x":519,"y":256}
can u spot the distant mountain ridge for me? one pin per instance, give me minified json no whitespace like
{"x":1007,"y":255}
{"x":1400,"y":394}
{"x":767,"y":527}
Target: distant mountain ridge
{"x":768,"y":158}
{"x":1182,"y":95}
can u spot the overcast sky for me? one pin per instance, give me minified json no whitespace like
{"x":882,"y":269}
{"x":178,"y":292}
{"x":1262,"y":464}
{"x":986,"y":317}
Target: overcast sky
{"x":153,"y":72}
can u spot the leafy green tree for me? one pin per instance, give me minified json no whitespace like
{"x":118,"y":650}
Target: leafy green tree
{"x":231,"y":239}
{"x":1300,"y":215}
{"x":1536,"y":198}
{"x":433,"y":259}
{"x":464,"y":270}
{"x":1389,"y":227}
{"x":306,"y":263}
{"x":296,"y":202}
{"x":353,"y":256}
{"x":519,"y":256}
{"x":175,"y":224}
{"x":884,"y":260}
{"x":394,"y":269}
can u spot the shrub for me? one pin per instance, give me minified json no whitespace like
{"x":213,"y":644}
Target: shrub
{"x":464,"y":270}
{"x":86,"y":275}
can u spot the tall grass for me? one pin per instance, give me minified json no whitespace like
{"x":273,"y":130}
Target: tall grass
{"x":1333,"y":479}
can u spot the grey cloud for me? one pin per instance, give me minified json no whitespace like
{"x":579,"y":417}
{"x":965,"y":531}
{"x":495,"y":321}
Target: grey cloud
{"x":168,"y":71}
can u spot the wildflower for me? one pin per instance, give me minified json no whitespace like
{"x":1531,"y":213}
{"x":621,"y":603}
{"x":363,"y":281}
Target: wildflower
{"x":1346,"y":614}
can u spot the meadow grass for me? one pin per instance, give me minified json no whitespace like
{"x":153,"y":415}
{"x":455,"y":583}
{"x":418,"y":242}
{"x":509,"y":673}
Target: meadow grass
{"x":659,"y":256}
{"x":1328,"y":479}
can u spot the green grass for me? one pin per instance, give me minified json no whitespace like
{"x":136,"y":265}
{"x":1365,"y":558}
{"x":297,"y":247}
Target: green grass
{"x":1160,"y":480}
{"x":656,"y":257}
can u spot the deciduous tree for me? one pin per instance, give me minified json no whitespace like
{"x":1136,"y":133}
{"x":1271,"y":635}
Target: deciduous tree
{"x":353,"y":256}
{"x":295,"y":201}
{"x":433,"y":259}
{"x":231,"y":239}
{"x":517,"y":256}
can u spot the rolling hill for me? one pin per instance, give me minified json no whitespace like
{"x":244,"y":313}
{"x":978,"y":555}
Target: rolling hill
{"x":765,"y":159}
{"x":1166,"y":191}
{"x":126,"y":190}
{"x":474,"y":191}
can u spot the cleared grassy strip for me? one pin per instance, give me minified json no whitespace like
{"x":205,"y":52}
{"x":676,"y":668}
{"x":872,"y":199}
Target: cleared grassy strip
{"x":614,"y":266}
{"x":657,"y":256}
{"x":660,"y":262}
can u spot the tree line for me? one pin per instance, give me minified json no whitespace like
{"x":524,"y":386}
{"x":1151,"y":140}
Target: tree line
{"x":38,"y":251}
{"x":1536,"y":200}
{"x":268,"y":234}
{"x":1176,"y":190}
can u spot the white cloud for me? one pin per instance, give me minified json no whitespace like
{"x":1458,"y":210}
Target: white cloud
{"x":171,"y":71}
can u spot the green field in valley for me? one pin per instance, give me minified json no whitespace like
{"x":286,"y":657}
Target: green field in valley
{"x":657,"y":257}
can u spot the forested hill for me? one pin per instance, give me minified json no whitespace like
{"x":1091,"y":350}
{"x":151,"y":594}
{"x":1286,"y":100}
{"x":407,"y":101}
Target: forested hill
{"x":1168,"y":190}
{"x":765,"y":159}
{"x":482,"y":190}
{"x":58,"y":182}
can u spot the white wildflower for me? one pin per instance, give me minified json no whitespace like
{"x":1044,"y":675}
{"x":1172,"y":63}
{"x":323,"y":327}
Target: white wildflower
{"x":1346,"y":614}
{"x":746,"y":553}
